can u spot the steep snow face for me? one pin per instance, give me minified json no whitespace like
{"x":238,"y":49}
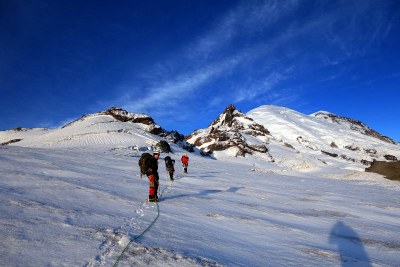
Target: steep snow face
{"x":325,"y":133}
{"x":232,"y":132}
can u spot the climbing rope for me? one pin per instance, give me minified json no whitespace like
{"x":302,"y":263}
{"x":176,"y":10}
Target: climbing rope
{"x":148,"y":228}
{"x":137,"y":237}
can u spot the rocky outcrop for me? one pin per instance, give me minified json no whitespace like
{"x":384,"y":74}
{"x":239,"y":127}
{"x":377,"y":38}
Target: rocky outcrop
{"x":164,"y":147}
{"x":175,"y":137}
{"x":11,"y":142}
{"x":390,"y":170}
{"x":390,"y":157}
{"x":124,"y":116}
{"x":232,"y":129}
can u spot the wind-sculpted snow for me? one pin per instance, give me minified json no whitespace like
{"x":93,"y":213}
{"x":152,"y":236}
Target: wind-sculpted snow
{"x":80,"y":207}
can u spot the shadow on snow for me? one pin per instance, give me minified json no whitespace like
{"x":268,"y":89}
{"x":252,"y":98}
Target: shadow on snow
{"x":349,"y":244}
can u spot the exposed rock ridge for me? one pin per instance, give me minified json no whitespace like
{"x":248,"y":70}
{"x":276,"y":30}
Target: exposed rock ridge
{"x":231,"y":130}
{"x":124,"y":116}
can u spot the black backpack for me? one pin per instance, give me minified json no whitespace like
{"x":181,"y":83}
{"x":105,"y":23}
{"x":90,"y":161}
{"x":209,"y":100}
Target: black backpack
{"x":145,"y":163}
{"x":168,"y":162}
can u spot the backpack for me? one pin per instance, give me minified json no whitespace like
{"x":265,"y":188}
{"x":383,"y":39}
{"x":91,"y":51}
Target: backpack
{"x":168,"y":161}
{"x":184,"y":159}
{"x":145,"y":163}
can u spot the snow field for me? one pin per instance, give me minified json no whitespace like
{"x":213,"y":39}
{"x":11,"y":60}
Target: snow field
{"x":80,"y":207}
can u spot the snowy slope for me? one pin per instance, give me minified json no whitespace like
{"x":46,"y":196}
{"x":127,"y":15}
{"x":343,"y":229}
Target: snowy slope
{"x":73,"y":197}
{"x":80,"y":207}
{"x":18,"y":134}
{"x":94,"y":130}
{"x":319,"y":134}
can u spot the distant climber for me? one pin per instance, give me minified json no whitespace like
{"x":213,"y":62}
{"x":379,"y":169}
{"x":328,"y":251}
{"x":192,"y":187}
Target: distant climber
{"x":169,"y":165}
{"x":149,"y":166}
{"x":185,"y":162}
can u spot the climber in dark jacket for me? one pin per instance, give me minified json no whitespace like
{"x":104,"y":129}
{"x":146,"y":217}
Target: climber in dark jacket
{"x":169,"y":165}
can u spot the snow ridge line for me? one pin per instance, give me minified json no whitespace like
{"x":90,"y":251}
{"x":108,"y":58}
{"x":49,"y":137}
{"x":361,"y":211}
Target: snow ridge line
{"x":148,"y":228}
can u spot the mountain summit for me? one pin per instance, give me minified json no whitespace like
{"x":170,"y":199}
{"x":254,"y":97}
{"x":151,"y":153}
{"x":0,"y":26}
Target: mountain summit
{"x":113,"y":127}
{"x":233,"y":132}
{"x":122,"y":115}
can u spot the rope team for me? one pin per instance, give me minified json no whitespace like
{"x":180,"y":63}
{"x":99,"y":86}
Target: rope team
{"x":149,"y":166}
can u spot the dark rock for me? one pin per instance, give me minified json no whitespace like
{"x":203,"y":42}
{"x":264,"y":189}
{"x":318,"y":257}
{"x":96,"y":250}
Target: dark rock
{"x":329,"y":154}
{"x":366,"y":162}
{"x":390,"y":170}
{"x":347,"y":158}
{"x":188,"y":147}
{"x":164,"y":146}
{"x":157,"y":130}
{"x":390,"y":157}
{"x":350,"y":147}
{"x":370,"y":151}
{"x":11,"y":141}
{"x":289,"y":146}
{"x":175,"y":137}
{"x":124,"y":116}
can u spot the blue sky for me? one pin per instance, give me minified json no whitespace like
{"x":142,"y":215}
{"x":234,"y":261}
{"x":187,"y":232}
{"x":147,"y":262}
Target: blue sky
{"x":183,"y":62}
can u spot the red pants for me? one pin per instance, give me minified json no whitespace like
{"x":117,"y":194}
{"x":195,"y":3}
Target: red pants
{"x":153,"y":187}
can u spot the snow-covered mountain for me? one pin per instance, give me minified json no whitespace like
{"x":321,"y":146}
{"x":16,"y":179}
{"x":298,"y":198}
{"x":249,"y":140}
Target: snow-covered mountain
{"x":324,"y":133}
{"x":233,"y":132}
{"x":353,"y":125}
{"x":270,"y":130}
{"x":112,"y":128}
{"x":269,"y":133}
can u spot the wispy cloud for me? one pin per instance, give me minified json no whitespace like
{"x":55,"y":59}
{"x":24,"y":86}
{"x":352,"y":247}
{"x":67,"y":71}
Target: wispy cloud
{"x":268,"y":61}
{"x":245,"y":19}
{"x":356,"y":29}
{"x":258,"y":88}
{"x":171,"y":92}
{"x":168,"y":84}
